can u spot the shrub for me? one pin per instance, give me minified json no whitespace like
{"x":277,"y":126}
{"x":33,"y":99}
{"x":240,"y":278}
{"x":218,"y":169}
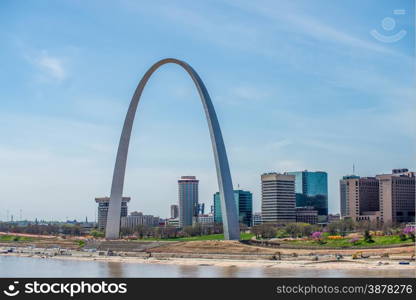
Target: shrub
{"x":354,"y":240}
{"x":97,"y":234}
{"x":316,"y":235}
{"x":368,"y":237}
{"x":410,"y":231}
{"x":402,"y":237}
{"x":264,"y":231}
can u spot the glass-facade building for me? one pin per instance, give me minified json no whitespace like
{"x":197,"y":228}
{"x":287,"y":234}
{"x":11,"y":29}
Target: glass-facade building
{"x":312,"y":190}
{"x":244,"y":202}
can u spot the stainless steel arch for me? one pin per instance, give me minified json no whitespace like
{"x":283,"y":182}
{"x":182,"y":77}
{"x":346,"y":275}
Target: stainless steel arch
{"x":228,"y":205}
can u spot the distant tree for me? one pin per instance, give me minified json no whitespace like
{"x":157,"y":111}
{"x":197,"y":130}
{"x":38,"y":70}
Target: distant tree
{"x":341,"y":227}
{"x":368,"y":237}
{"x":333,"y":228}
{"x":195,"y":230}
{"x":142,"y":231}
{"x":387,"y":228}
{"x":124,"y":231}
{"x":243,"y":227}
{"x":293,"y":229}
{"x":265,"y":230}
{"x":307,"y":229}
{"x":97,"y":234}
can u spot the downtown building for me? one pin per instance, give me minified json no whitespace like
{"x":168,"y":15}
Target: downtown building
{"x":344,"y":185}
{"x":174,"y":211}
{"x":103,"y":204}
{"x":136,"y":219}
{"x":332,"y":218}
{"x":386,"y":198}
{"x":256,"y":219}
{"x":312,"y":191}
{"x":397,"y":196}
{"x":206,"y":219}
{"x":188,"y":200}
{"x":244,"y":202}
{"x":278,"y":199}
{"x":359,"y":198}
{"x":306,"y":214}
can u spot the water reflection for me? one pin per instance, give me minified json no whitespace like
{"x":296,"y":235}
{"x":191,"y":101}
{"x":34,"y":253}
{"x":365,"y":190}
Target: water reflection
{"x":231,"y":271}
{"x":189,"y":271}
{"x":12,"y":266}
{"x":115,"y":269}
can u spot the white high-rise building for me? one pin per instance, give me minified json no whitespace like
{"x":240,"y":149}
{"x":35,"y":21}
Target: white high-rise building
{"x":103,"y":204}
{"x":278,"y":199}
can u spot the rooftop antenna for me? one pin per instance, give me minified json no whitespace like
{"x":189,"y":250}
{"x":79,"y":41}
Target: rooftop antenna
{"x":353,"y":169}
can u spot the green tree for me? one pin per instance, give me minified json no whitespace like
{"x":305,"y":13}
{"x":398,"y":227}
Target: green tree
{"x":367,"y":237}
{"x":97,"y":234}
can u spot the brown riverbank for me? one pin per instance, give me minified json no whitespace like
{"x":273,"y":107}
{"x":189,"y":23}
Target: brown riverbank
{"x":345,"y":264}
{"x":235,"y":247}
{"x":201,"y":247}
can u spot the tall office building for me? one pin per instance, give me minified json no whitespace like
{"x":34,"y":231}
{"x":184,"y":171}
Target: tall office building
{"x":397,"y":196}
{"x":278,"y":198}
{"x":174,"y":211}
{"x":188,"y":200}
{"x":369,"y":200}
{"x":384,"y":198}
{"x":359,"y":198}
{"x":344,"y":194}
{"x":244,"y":202}
{"x":103,"y":203}
{"x":312,"y":190}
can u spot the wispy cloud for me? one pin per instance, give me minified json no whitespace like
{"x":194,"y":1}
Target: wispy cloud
{"x":50,"y":67}
{"x":247,"y":92}
{"x":303,"y":24}
{"x":320,"y":30}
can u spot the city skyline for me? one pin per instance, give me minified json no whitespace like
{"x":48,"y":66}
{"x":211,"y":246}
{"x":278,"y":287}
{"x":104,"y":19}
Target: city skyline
{"x":96,"y":216}
{"x":61,"y":107}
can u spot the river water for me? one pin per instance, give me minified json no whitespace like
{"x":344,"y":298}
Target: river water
{"x":14,"y":266}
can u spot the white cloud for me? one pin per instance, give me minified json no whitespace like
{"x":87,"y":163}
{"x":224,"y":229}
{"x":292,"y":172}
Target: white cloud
{"x":52,"y":66}
{"x":291,"y":18}
{"x":247,"y":92}
{"x":49,"y":67}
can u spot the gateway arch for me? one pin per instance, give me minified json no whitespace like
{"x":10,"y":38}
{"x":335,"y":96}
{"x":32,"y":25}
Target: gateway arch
{"x":228,"y":206}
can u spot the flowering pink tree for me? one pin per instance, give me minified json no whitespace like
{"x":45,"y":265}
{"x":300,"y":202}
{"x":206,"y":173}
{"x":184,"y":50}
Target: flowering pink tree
{"x":410,"y":231}
{"x":317,"y":235}
{"x":354,"y":240}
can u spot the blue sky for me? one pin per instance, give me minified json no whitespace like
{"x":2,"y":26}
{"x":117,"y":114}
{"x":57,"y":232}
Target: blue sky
{"x":296,"y":85}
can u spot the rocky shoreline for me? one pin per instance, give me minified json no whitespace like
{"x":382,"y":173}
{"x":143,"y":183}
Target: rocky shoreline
{"x":308,"y":261}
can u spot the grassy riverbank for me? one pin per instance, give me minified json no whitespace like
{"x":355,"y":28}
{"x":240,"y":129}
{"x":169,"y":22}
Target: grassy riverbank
{"x":346,"y":242}
{"x":15,"y":238}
